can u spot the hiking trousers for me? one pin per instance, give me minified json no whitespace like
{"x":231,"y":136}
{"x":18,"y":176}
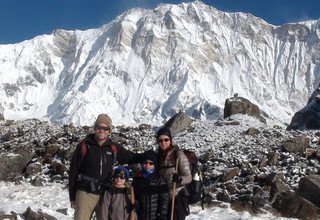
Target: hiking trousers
{"x":86,"y":205}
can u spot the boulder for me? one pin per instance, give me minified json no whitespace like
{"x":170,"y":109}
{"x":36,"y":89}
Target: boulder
{"x":4,"y":216}
{"x":296,"y":145}
{"x":239,"y":105}
{"x":291,"y":205}
{"x":52,"y":149}
{"x":33,"y":168}
{"x":229,"y":174}
{"x":39,"y":215}
{"x":12,"y":165}
{"x":178,"y":123}
{"x":308,"y":118}
{"x":309,"y":188}
{"x":248,"y":202}
{"x":252,"y":131}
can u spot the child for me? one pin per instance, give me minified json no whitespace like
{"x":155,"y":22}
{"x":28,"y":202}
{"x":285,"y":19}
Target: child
{"x":116,"y":204}
{"x":151,"y":191}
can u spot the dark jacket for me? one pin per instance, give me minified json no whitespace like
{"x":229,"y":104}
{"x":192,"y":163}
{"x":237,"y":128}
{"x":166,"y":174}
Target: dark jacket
{"x":96,"y":164}
{"x":116,"y":204}
{"x":152,"y":197}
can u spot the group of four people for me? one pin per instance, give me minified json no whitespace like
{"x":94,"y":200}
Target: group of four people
{"x":156,"y":186}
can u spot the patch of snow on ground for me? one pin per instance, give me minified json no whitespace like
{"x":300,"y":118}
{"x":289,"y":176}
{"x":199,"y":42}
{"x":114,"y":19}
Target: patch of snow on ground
{"x":52,"y":197}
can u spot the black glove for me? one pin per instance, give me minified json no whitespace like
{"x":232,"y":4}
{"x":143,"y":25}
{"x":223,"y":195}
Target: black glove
{"x":176,"y":178}
{"x":132,"y":207}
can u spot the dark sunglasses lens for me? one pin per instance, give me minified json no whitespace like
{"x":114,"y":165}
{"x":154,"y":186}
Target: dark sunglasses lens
{"x":163,"y":140}
{"x":120,"y":177}
{"x":102,"y":128}
{"x":150,"y":163}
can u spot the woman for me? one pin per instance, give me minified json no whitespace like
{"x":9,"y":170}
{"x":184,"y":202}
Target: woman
{"x":169,"y":155}
{"x":151,"y":190}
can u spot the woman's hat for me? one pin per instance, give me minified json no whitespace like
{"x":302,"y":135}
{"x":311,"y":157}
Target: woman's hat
{"x":164,"y":131}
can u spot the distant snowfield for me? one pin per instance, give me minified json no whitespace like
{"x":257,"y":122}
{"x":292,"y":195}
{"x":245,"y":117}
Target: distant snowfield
{"x":54,"y":196}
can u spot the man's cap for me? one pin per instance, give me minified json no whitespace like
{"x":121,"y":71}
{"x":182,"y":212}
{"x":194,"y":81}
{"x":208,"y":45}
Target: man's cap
{"x":103,"y":118}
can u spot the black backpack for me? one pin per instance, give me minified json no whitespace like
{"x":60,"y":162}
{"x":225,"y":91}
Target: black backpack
{"x":194,"y":189}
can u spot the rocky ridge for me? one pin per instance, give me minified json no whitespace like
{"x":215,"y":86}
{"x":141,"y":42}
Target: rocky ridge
{"x":251,"y":165}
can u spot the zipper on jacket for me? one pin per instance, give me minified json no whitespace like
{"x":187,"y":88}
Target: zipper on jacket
{"x":101,"y":163}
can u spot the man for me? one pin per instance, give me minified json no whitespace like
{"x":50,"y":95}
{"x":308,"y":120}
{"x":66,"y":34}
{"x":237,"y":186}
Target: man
{"x":91,"y":169}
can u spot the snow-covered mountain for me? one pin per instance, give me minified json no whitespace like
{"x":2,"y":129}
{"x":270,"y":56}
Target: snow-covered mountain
{"x":146,"y":65}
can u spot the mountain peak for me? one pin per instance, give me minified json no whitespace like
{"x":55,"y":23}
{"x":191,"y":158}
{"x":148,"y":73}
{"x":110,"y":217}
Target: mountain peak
{"x":147,"y":65}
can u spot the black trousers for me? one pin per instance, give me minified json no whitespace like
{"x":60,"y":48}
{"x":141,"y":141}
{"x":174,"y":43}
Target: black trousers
{"x":181,"y":207}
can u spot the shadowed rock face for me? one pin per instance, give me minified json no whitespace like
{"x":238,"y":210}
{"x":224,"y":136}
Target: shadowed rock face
{"x":239,"y":105}
{"x":308,"y":118}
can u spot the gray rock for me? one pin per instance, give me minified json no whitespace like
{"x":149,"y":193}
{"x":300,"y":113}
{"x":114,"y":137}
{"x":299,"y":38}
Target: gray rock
{"x":223,"y":196}
{"x":309,"y":188}
{"x":308,"y":118}
{"x":296,"y":145}
{"x":32,"y":215}
{"x":291,"y":205}
{"x":239,"y":105}
{"x":178,"y":123}
{"x":252,"y":131}
{"x":229,"y":174}
{"x":12,"y":165}
{"x":33,"y":168}
{"x":53,"y":149}
{"x":37,"y":181}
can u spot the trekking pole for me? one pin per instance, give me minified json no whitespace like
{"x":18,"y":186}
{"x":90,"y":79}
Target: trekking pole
{"x":132,"y":212}
{"x":174,"y":192}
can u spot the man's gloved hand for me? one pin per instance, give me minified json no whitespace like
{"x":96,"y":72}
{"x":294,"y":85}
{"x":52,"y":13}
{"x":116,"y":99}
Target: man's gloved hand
{"x":176,"y":178}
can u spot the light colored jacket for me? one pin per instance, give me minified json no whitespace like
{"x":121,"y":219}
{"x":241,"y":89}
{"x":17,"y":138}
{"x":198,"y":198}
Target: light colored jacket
{"x":116,"y":204}
{"x":167,"y":168}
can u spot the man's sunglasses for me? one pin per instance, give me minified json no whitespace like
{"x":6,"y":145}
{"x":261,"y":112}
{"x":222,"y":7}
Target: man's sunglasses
{"x":102,"y":128}
{"x":163,"y":140}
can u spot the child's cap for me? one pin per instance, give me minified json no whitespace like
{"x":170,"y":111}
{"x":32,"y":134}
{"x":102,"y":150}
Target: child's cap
{"x":122,"y":172}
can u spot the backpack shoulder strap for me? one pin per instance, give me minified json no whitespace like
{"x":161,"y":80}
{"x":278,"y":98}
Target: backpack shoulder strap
{"x":84,"y":148}
{"x":175,"y":155}
{"x":114,"y":151}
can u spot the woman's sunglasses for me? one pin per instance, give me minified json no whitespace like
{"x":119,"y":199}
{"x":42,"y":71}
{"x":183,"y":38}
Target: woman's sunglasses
{"x":163,"y":140}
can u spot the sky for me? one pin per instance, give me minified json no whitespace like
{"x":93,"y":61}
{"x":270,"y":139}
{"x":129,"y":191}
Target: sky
{"x":22,"y":20}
